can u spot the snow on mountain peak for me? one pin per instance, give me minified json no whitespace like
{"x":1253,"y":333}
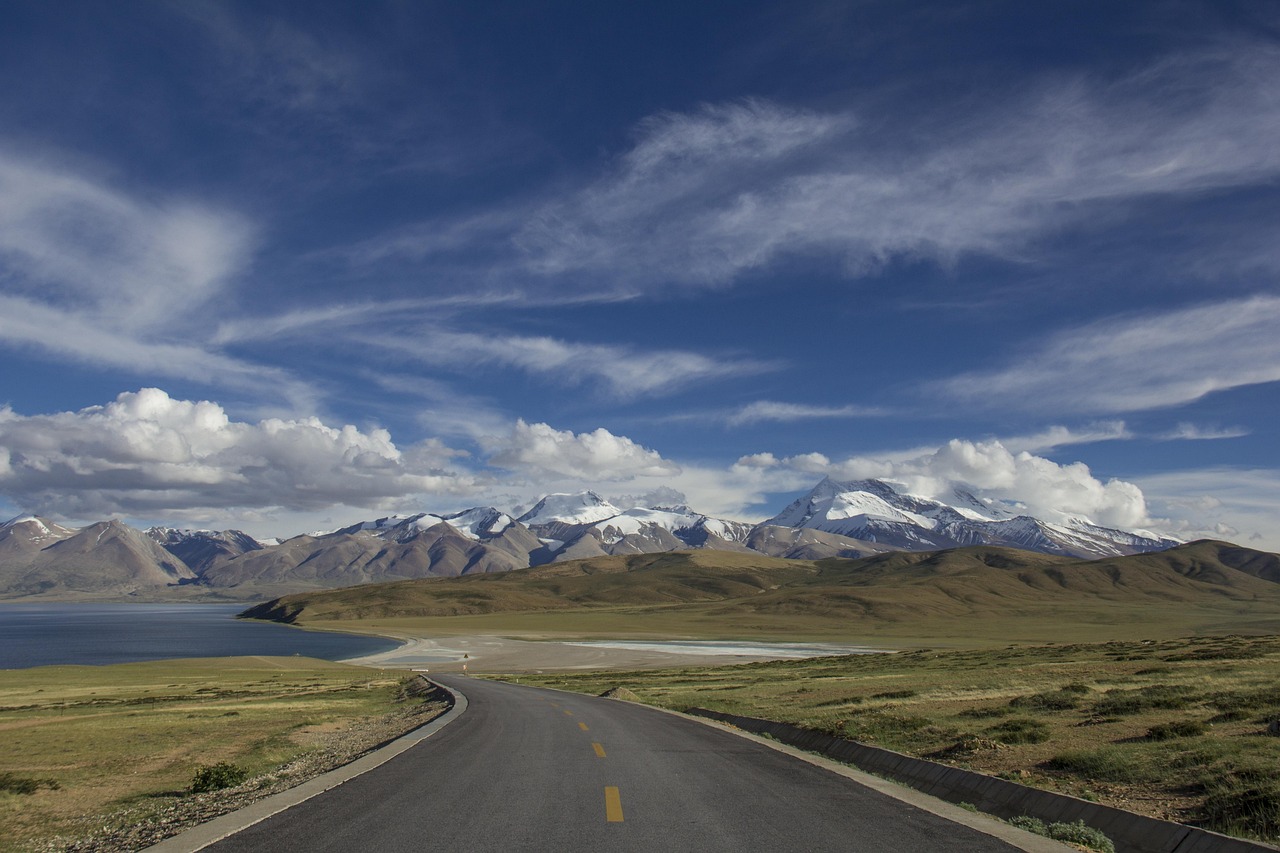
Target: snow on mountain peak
{"x":577,"y":508}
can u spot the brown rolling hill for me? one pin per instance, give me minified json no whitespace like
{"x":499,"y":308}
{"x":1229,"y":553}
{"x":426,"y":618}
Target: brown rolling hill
{"x":963,"y":583}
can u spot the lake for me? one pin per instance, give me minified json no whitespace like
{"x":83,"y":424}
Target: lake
{"x":48,"y":634}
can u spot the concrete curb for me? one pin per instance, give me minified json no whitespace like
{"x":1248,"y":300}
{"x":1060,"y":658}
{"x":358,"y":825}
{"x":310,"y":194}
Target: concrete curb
{"x":201,"y":836}
{"x":1132,"y":833}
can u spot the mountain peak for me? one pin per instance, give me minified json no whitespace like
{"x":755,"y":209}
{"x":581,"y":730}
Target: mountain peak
{"x":575,"y":508}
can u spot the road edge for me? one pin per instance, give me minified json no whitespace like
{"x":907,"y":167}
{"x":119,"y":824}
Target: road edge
{"x":975,"y":820}
{"x":202,"y":835}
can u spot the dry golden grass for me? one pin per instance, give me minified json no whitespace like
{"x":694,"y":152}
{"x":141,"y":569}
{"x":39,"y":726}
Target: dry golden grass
{"x":134,"y":734}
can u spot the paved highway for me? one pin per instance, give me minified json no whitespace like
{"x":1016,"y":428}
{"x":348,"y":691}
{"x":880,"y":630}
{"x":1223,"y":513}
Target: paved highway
{"x":531,"y":769}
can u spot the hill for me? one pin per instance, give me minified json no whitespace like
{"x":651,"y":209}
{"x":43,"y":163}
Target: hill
{"x":987,"y":591}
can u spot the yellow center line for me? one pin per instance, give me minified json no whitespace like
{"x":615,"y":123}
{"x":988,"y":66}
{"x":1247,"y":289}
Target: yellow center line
{"x":612,"y":805}
{"x":582,"y":726}
{"x":570,"y":713}
{"x":599,"y":750}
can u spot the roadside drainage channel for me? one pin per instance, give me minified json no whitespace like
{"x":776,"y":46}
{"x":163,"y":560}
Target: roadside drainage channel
{"x":1131,"y":833}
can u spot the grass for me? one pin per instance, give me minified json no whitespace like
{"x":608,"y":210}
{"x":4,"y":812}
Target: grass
{"x":83,"y":743}
{"x":968,"y":597}
{"x":1174,"y":728}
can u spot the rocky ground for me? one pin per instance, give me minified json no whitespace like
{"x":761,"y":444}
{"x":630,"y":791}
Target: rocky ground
{"x":141,"y":826}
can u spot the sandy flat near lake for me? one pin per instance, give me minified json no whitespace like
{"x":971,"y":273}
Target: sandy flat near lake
{"x":503,"y":654}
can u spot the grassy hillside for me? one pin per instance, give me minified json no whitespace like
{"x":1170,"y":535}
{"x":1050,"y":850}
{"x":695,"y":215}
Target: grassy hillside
{"x":962,"y":595}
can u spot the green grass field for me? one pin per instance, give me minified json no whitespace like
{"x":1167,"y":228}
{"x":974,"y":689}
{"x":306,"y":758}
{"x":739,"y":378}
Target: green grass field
{"x":1177,"y":729}
{"x":87,"y":747}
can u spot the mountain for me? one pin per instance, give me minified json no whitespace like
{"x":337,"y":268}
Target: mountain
{"x":585,"y":525}
{"x":482,"y":539}
{"x":201,"y":549}
{"x":104,"y":559}
{"x":835,"y":519}
{"x":24,"y":536}
{"x":874,"y":511}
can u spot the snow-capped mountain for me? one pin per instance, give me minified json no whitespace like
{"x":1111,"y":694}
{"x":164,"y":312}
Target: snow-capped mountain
{"x":579,"y":508}
{"x":874,"y":511}
{"x":28,"y":534}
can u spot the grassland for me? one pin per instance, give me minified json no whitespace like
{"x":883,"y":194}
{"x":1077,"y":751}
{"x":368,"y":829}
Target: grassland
{"x":1177,"y":729}
{"x":102,"y":750}
{"x":968,"y":596}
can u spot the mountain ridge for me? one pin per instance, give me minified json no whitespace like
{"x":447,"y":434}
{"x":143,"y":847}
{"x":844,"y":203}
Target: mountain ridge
{"x":849,"y":520}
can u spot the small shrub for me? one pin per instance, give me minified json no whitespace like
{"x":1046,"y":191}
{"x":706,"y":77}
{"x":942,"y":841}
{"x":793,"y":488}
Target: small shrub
{"x":986,"y":713}
{"x":1079,"y":833}
{"x":1105,"y":765}
{"x":894,"y":694}
{"x":1030,"y":824}
{"x":25,"y":785}
{"x":1156,"y":697}
{"x":1180,"y":728}
{"x":1243,"y":807}
{"x":1058,"y":701}
{"x":1020,"y":730}
{"x":214,"y":777}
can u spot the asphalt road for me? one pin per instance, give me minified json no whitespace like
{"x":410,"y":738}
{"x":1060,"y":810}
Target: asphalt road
{"x":531,"y":769}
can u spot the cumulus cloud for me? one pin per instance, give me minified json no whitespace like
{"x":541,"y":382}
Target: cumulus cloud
{"x":148,"y":453}
{"x":1139,"y":362}
{"x":591,"y":456}
{"x":1033,"y":484}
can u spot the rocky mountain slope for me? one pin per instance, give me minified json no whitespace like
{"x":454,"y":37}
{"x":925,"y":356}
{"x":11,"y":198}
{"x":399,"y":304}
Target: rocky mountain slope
{"x":835,"y":519}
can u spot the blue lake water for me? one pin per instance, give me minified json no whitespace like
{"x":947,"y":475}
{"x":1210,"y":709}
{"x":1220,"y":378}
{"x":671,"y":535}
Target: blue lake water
{"x":48,"y":634}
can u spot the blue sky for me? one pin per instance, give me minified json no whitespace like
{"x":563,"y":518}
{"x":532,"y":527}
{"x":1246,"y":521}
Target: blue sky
{"x":282,"y":266}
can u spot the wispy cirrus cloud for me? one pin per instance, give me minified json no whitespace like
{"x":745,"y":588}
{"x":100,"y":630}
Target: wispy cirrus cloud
{"x":1137,"y":362}
{"x":624,"y":371}
{"x":706,"y":195}
{"x":98,"y":276}
{"x":766,"y":411}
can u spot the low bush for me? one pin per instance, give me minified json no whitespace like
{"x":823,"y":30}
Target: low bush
{"x":214,"y":777}
{"x":25,"y":785}
{"x":1060,"y":700}
{"x":1108,"y":764}
{"x":1243,"y":807}
{"x":1180,"y":728}
{"x":1156,"y":697}
{"x":1079,"y":833}
{"x":1020,"y":730}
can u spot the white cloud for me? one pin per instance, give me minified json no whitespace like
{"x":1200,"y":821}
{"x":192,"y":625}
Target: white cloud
{"x":1061,"y":436}
{"x":706,"y":195}
{"x":1194,"y":432}
{"x":148,"y":453}
{"x":592,"y":456}
{"x":768,"y":410}
{"x":1039,"y":486}
{"x":81,"y":244}
{"x":1214,"y":502}
{"x":1139,"y":362}
{"x":625,"y":371}
{"x":96,"y":276}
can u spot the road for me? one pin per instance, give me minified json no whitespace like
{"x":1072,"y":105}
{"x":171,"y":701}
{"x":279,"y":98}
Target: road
{"x":531,"y":769}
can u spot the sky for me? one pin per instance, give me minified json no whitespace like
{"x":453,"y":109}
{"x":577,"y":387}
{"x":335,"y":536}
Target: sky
{"x":287,"y":266}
